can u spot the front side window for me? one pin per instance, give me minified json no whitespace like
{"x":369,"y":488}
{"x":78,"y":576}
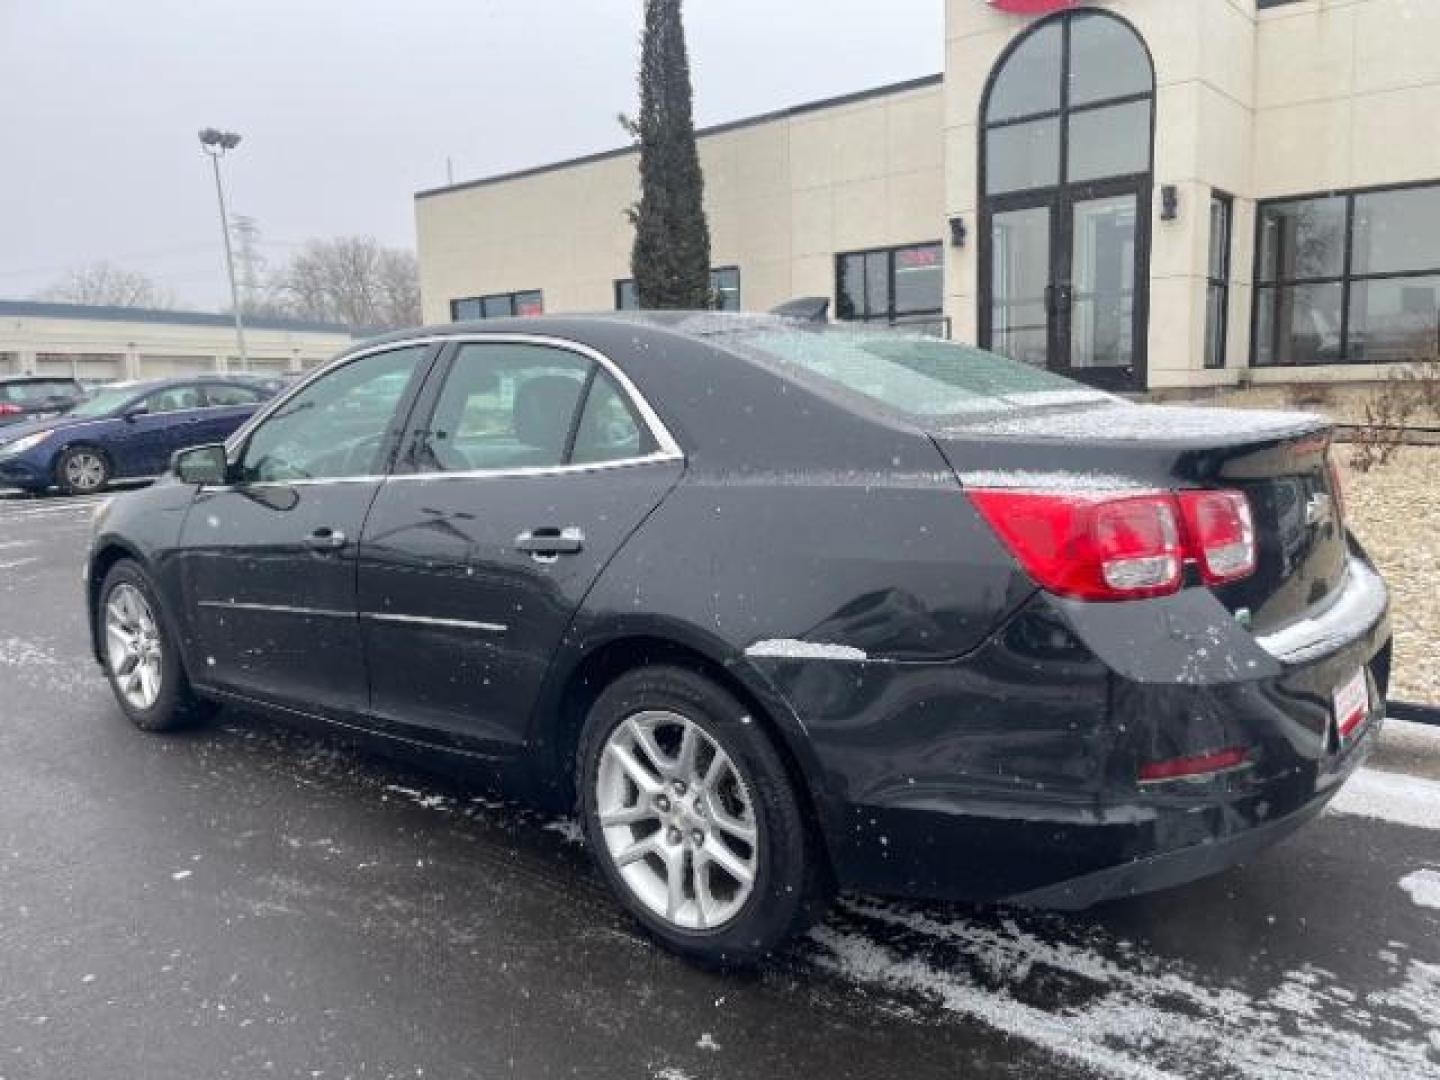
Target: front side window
{"x":336,"y":426}
{"x":174,"y":399}
{"x":1351,"y":278}
{"x":893,"y":285}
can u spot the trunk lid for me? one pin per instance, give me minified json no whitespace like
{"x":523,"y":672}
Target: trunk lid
{"x":1278,"y":459}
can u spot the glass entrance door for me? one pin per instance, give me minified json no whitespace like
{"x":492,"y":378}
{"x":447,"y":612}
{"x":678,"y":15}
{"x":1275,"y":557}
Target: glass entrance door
{"x":1098,"y":333}
{"x":1021,"y":242}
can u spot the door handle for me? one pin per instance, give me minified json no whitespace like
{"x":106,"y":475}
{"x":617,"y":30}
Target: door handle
{"x":549,"y":542}
{"x":325,"y":539}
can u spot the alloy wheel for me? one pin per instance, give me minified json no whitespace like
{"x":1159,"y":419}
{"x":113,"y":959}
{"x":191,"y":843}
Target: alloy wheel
{"x":132,"y":646}
{"x":84,"y":471}
{"x":677,"y":820}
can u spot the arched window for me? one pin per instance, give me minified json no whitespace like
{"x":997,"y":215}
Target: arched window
{"x":1070,"y":103}
{"x":1065,"y":147}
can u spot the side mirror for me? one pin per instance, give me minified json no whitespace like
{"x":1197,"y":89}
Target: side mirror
{"x":201,"y":465}
{"x":135,"y":412}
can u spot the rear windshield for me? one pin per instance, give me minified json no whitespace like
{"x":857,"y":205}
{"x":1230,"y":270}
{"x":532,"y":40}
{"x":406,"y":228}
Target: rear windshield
{"x":911,"y":374}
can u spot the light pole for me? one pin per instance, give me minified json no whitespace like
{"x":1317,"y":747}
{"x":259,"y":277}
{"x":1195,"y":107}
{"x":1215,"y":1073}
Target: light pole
{"x":216,"y":143}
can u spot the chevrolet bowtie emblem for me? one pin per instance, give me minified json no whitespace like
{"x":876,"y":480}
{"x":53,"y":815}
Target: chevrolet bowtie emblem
{"x":1319,"y":510}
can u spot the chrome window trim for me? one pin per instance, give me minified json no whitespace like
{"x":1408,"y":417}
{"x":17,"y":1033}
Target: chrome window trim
{"x":425,"y":620}
{"x":669,"y":448}
{"x":276,"y":609}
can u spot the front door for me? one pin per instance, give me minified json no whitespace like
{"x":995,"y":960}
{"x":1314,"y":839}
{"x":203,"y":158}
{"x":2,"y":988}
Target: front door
{"x":1066,"y":176}
{"x":269,"y":565}
{"x":527,"y":472}
{"x":1063,"y":271}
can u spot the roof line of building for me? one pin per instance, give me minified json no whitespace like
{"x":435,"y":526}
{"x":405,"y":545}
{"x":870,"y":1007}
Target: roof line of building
{"x":45,"y":309}
{"x":714,"y":129}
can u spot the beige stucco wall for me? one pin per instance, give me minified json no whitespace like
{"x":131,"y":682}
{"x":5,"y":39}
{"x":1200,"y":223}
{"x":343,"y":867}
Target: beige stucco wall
{"x":783,"y":197}
{"x":152,"y":349}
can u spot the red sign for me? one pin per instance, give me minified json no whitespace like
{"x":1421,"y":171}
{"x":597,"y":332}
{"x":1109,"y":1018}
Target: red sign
{"x":1031,"y":7}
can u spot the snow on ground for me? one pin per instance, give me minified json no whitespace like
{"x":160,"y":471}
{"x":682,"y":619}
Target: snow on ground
{"x":1392,"y":797}
{"x":1423,"y":887}
{"x":1129,"y":1013}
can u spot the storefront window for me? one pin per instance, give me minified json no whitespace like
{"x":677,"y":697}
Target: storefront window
{"x":1217,"y":285}
{"x":526,"y":304}
{"x":896,"y":285}
{"x":1349,"y":278}
{"x":724,"y":288}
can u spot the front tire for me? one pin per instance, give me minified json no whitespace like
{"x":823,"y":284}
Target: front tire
{"x":82,"y":470}
{"x":142,"y":659}
{"x":694,"y":820}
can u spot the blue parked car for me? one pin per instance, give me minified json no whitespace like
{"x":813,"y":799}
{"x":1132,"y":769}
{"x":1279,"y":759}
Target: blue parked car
{"x":124,"y":431}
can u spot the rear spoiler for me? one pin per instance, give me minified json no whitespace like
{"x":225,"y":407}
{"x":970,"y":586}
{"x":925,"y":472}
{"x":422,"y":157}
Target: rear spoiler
{"x":814,"y":309}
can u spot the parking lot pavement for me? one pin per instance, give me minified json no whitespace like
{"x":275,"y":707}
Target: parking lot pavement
{"x":251,"y":900}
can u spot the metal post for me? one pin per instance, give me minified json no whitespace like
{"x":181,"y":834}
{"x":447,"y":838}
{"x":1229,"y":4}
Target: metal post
{"x":230,"y":266}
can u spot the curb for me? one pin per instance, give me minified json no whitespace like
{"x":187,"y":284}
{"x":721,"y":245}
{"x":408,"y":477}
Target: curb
{"x":1414,"y":713}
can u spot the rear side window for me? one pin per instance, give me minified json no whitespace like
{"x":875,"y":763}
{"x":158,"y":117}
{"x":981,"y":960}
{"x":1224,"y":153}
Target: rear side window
{"x":917,"y":376}
{"x":231,"y":395}
{"x":505,"y":406}
{"x":609,"y":430}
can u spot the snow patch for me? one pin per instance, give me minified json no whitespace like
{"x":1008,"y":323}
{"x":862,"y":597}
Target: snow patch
{"x":793,"y":649}
{"x":1392,"y":797}
{"x":568,"y":829}
{"x":1125,"y":1012}
{"x":1162,"y":423}
{"x":1423,"y":886}
{"x":1048,"y":481}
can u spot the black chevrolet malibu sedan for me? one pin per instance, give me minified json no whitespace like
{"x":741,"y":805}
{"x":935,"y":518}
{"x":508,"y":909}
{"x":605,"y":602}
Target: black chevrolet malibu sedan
{"x":779,"y":608}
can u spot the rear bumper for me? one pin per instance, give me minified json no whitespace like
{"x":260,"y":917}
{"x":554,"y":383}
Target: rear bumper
{"x":1011,"y":775}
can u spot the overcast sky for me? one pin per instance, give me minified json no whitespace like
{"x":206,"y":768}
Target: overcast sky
{"x":347,"y":107}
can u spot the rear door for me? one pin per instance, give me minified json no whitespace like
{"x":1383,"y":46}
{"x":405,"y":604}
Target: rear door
{"x":269,"y":562}
{"x":529,"y":466}
{"x":228,"y":405}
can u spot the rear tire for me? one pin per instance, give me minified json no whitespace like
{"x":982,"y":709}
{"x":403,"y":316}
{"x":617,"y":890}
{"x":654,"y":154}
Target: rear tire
{"x":142,"y":659}
{"x":82,"y":470}
{"x":694,"y":820}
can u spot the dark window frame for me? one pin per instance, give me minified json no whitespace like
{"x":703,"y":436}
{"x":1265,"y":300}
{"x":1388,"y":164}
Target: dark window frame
{"x":1346,"y":279}
{"x":1219,"y":286}
{"x":890,"y":316}
{"x":512,"y":298}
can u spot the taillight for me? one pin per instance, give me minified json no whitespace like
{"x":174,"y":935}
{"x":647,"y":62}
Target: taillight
{"x":1219,"y":533}
{"x":8,"y":408}
{"x":1090,"y":545}
{"x":1194,"y":766}
{"x":1115,"y":545}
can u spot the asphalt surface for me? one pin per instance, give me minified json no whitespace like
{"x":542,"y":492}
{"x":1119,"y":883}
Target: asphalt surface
{"x":253,"y":901}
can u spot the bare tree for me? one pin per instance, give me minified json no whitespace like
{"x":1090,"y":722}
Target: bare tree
{"x":104,"y":284}
{"x":353,"y":280}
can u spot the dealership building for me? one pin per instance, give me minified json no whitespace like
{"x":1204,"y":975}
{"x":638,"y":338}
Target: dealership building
{"x":1144,"y":194}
